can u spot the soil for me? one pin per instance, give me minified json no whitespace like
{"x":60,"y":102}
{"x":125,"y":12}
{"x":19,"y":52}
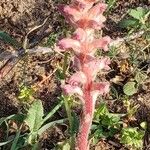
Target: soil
{"x":18,"y":17}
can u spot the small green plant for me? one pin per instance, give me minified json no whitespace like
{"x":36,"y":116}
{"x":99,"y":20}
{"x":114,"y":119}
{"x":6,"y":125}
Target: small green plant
{"x":140,"y":77}
{"x":138,"y":19}
{"x":131,"y":108}
{"x":105,"y":124}
{"x":36,"y":122}
{"x":111,"y":4}
{"x":113,"y":52}
{"x":63,"y":146}
{"x":130,"y":88}
{"x":132,"y":137}
{"x":26,"y":93}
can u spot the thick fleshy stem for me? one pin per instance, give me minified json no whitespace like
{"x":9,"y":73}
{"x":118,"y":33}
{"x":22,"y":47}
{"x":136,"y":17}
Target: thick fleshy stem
{"x":85,"y":123}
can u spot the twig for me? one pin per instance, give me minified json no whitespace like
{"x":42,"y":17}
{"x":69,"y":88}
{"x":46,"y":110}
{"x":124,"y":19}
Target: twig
{"x":119,"y":41}
{"x":46,"y":78}
{"x":25,"y":43}
{"x":7,"y":55}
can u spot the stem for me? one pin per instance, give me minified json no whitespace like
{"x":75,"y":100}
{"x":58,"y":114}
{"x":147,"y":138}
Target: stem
{"x":65,"y":65}
{"x":68,"y":111}
{"x":85,"y":123}
{"x":67,"y":107}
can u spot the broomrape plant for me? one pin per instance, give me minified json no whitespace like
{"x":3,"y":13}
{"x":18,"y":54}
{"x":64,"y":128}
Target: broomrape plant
{"x":86,"y":16}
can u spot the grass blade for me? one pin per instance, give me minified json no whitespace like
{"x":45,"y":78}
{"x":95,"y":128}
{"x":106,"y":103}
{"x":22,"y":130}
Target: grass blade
{"x":4,"y":143}
{"x":15,"y":141}
{"x":53,"y":111}
{"x":5,"y":119}
{"x":48,"y":125}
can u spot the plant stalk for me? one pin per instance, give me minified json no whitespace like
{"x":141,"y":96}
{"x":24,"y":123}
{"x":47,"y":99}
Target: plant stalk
{"x":85,"y":123}
{"x":68,"y":111}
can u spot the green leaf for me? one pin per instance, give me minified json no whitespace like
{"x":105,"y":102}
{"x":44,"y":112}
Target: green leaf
{"x":75,"y":123}
{"x":132,"y":137}
{"x":125,"y":23}
{"x":5,"y":119}
{"x":8,"y":39}
{"x":143,"y":125}
{"x":48,"y":125}
{"x":15,"y":141}
{"x":35,"y":146}
{"x":101,"y":111}
{"x":34,"y":117}
{"x":53,"y":111}
{"x":129,"y":88}
{"x":110,"y":3}
{"x":111,"y":120}
{"x":140,"y":77}
{"x":59,"y":74}
{"x":137,"y":13}
{"x":99,"y":133}
{"x":4,"y":143}
{"x":66,"y":146}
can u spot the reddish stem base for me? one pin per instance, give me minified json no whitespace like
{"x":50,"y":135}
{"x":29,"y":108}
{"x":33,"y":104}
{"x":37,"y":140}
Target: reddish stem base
{"x":85,"y":124}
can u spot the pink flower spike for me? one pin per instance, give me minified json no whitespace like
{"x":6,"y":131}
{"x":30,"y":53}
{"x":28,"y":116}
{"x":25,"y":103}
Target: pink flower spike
{"x":86,"y":16}
{"x":97,"y":9}
{"x":86,"y":4}
{"x":95,"y":65}
{"x":104,"y":62}
{"x":77,"y":79}
{"x":80,"y":34}
{"x":71,"y":90}
{"x":73,"y":12}
{"x":68,"y":43}
{"x":86,"y":1}
{"x":102,"y":43}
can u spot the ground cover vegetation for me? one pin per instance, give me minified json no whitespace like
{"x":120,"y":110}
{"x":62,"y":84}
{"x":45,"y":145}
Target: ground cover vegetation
{"x":75,"y":75}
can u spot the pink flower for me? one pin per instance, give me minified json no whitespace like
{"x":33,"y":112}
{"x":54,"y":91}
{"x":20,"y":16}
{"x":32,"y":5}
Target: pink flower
{"x":80,"y":35}
{"x":72,"y":89}
{"x":102,"y":43}
{"x":94,"y":18}
{"x":77,"y":78}
{"x":69,"y":43}
{"x":86,"y":2}
{"x":84,"y":42}
{"x":83,"y":17}
{"x":99,"y":89}
{"x":74,"y":84}
{"x":104,"y":63}
{"x":92,"y":67}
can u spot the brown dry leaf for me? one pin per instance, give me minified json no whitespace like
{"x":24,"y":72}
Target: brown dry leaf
{"x":13,"y":126}
{"x":117,"y":80}
{"x":102,"y":145}
{"x":124,"y":66}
